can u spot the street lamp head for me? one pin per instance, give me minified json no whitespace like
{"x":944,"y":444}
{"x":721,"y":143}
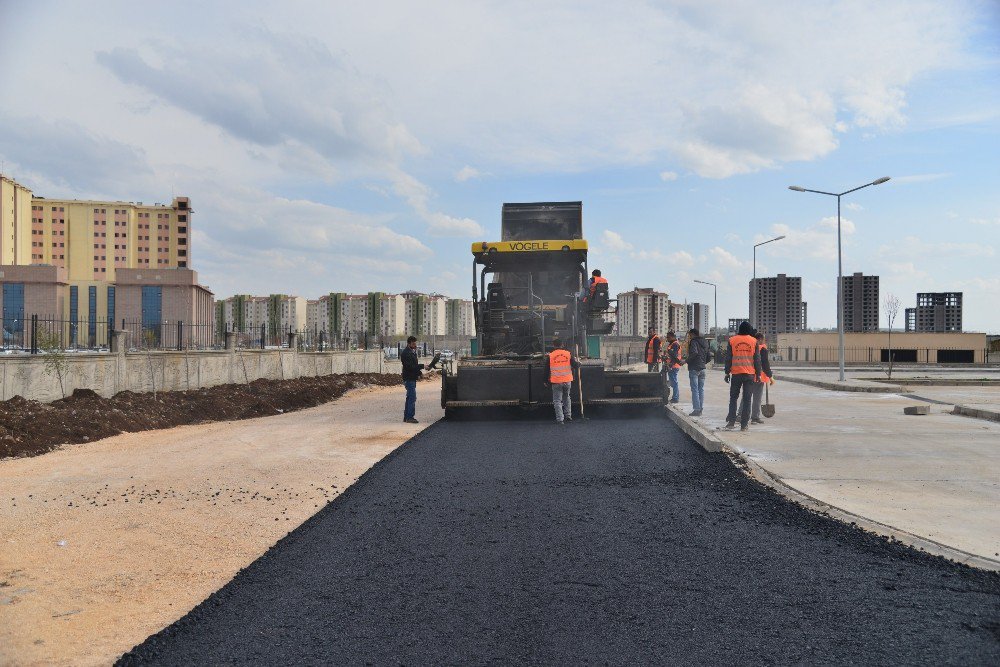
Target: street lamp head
{"x":796,"y":188}
{"x":778,"y":238}
{"x":881,"y":180}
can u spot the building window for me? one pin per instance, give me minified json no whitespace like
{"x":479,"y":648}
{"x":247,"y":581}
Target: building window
{"x":111,"y":309}
{"x":152,"y":309}
{"x":74,"y":312}
{"x":92,"y":316}
{"x":13,"y":312}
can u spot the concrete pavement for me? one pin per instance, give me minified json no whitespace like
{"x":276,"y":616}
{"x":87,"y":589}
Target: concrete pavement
{"x":936,"y":477}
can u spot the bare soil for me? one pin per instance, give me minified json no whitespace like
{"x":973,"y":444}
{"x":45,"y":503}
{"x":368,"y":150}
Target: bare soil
{"x":30,"y":428}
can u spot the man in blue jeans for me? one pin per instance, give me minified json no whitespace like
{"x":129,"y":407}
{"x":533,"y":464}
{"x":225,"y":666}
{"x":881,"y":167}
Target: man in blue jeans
{"x":673,"y":364}
{"x":412,"y":370}
{"x":699,"y":354}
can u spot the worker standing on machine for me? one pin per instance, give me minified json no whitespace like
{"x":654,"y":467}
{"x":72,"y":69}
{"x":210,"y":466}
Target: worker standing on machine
{"x":595,"y":280}
{"x":560,"y":364}
{"x":652,"y":351}
{"x":673,"y":361}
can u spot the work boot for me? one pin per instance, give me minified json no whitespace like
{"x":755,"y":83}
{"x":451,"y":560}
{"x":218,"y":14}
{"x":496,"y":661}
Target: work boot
{"x":569,"y":419}
{"x":694,"y":413}
{"x":730,"y":426}
{"x":560,"y":422}
{"x":756,"y":421}
{"x":745,"y":427}
{"x":411,"y":420}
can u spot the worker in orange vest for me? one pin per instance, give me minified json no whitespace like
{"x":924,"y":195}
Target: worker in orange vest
{"x":766,"y":377}
{"x":742,"y":370}
{"x":673,"y":360}
{"x":652,"y":351}
{"x":560,"y":364}
{"x":595,"y":280}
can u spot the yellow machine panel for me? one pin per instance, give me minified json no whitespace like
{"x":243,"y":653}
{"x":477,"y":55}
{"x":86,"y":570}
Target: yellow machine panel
{"x":546,"y":245}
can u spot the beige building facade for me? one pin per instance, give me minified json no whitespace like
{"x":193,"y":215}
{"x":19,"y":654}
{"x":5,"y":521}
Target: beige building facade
{"x":642,"y":308}
{"x":15,"y":222}
{"x":874,"y":347}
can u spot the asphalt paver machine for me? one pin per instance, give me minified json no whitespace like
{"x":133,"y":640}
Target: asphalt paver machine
{"x":527,"y":289}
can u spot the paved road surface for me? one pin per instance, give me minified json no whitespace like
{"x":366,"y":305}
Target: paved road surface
{"x":602,"y":542}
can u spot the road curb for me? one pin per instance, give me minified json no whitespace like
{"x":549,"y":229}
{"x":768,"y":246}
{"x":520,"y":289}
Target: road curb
{"x":977,"y":413}
{"x":836,"y":386}
{"x":708,"y":441}
{"x":712,"y":443}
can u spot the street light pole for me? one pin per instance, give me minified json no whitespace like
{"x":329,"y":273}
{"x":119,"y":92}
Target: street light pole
{"x":840,"y":263}
{"x":753,"y":301}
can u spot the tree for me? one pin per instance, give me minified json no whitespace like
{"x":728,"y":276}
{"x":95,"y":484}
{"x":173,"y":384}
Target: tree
{"x":54,"y":359}
{"x":891,"y":305}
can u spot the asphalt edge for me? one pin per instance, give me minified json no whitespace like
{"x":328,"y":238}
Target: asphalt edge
{"x":712,"y":443}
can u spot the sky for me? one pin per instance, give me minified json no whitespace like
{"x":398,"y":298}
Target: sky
{"x":345,"y":146}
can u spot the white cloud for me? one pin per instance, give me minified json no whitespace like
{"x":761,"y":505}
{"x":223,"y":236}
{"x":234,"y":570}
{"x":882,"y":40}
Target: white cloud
{"x":667,"y":176}
{"x":852,"y":206}
{"x":912,"y":246}
{"x":614,"y":242}
{"x":467,"y":173}
{"x":817,"y":242}
{"x":725,"y":259}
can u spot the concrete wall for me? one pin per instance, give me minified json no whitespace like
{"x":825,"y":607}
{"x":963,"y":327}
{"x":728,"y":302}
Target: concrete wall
{"x":108,"y":374}
{"x":865,"y":347}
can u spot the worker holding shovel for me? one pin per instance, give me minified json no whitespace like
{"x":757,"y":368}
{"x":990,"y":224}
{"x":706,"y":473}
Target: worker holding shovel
{"x":766,"y":378}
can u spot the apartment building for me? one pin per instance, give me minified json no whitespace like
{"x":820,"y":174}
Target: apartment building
{"x":776,"y":305}
{"x":459,"y":318}
{"x":677,"y":319}
{"x":276,"y":314}
{"x":698,"y":317}
{"x":860,"y":303}
{"x":641,"y":308}
{"x":426,"y":314}
{"x":935,"y":312}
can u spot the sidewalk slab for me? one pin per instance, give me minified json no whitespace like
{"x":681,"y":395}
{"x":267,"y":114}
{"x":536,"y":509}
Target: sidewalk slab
{"x":930,"y":480}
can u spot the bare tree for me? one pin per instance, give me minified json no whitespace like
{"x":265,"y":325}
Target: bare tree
{"x":891,"y":304}
{"x":54,"y":358}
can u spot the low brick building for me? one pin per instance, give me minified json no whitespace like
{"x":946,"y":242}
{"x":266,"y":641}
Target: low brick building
{"x":151,"y":303}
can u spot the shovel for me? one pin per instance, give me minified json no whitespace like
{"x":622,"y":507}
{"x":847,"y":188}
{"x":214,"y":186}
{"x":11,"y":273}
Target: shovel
{"x":768,"y":408}
{"x":579,"y":384}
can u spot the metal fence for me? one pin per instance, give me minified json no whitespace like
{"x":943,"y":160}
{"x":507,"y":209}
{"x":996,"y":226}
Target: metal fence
{"x":38,"y":333}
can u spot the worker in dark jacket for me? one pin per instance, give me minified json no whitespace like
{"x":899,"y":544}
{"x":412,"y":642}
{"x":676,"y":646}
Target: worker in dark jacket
{"x":698,"y":356}
{"x":766,"y":377}
{"x":412,"y":370}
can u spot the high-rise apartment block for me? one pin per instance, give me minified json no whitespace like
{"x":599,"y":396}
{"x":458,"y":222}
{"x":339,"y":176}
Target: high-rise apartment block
{"x":698,"y":317}
{"x":642,"y":308}
{"x":776,"y":305}
{"x":860,"y":302}
{"x":677,"y":320}
{"x":936,"y":311}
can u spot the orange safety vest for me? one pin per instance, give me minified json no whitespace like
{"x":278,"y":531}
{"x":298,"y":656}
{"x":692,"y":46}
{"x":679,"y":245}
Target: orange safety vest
{"x":560,"y":368}
{"x":595,"y":281}
{"x":744,"y":348}
{"x":764,"y":377}
{"x":650,"y":348}
{"x":678,"y":351}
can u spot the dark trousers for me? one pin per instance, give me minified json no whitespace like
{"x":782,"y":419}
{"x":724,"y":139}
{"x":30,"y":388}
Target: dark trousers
{"x":410,"y":411}
{"x":653,"y":367}
{"x":744,"y":382}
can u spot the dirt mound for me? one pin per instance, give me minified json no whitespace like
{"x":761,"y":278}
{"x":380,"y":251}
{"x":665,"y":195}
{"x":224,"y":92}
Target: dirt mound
{"x":30,"y":428}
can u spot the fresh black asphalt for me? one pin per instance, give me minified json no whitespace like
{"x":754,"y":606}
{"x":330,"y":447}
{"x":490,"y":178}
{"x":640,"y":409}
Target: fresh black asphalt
{"x":609,"y":541}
